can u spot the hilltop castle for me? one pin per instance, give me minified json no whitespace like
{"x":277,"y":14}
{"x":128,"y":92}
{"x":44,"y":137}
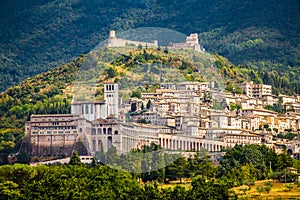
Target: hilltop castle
{"x":192,"y":42}
{"x":114,"y":41}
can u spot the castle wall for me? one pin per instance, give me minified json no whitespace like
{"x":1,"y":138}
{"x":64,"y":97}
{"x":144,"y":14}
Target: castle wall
{"x":118,"y":42}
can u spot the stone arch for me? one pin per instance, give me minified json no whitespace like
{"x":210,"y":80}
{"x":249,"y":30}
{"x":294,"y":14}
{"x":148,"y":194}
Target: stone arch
{"x":93,"y":131}
{"x":109,"y":131}
{"x":116,"y":132}
{"x":100,"y":145}
{"x":104,"y":131}
{"x":109,"y":142}
{"x":99,"y":132}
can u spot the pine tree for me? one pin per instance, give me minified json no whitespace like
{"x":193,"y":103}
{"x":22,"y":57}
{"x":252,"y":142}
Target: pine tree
{"x":148,"y":104}
{"x":75,"y":159}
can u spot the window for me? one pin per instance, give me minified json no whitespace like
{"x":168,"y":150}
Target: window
{"x":86,"y":109}
{"x":109,"y":131}
{"x":92,"y":109}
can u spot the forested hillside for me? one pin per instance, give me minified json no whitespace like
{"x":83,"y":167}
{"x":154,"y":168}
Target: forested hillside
{"x":38,"y":35}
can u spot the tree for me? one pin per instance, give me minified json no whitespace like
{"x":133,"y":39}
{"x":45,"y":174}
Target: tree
{"x":202,"y":189}
{"x":10,"y":190}
{"x":148,"y":104}
{"x":142,"y":106}
{"x":178,"y":169}
{"x":202,"y":165}
{"x":75,"y":159}
{"x":133,"y":107}
{"x":140,"y":46}
{"x":111,"y":72}
{"x":112,"y":157}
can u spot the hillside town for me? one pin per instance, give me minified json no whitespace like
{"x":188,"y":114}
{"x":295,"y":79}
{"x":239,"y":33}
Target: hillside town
{"x":180,"y":117}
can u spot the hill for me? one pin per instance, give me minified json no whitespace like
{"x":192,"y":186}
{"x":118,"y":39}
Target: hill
{"x":51,"y":92}
{"x":38,"y":35}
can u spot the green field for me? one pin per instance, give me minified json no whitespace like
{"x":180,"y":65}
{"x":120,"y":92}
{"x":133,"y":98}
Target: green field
{"x":278,"y":191}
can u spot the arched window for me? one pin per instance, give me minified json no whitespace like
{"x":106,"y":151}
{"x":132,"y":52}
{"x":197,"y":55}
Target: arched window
{"x":93,"y":131}
{"x":104,"y":131}
{"x":116,"y":132}
{"x":109,"y":131}
{"x":99,"y":131}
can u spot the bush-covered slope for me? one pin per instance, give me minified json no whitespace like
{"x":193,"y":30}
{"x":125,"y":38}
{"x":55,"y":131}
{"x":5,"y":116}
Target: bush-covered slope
{"x":38,"y":35}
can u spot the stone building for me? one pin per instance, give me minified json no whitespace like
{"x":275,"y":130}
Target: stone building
{"x":95,"y":109}
{"x":256,"y":90}
{"x":192,"y":42}
{"x":114,"y":41}
{"x":53,"y":134}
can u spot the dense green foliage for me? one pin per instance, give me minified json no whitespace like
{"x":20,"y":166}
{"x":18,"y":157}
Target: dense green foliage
{"x":96,"y":181}
{"x":37,"y":35}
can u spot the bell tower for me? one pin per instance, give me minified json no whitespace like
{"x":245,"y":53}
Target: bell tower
{"x":111,"y":97}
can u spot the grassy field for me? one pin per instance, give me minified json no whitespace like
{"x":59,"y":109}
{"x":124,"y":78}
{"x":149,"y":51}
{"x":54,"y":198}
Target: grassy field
{"x":277,"y":190}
